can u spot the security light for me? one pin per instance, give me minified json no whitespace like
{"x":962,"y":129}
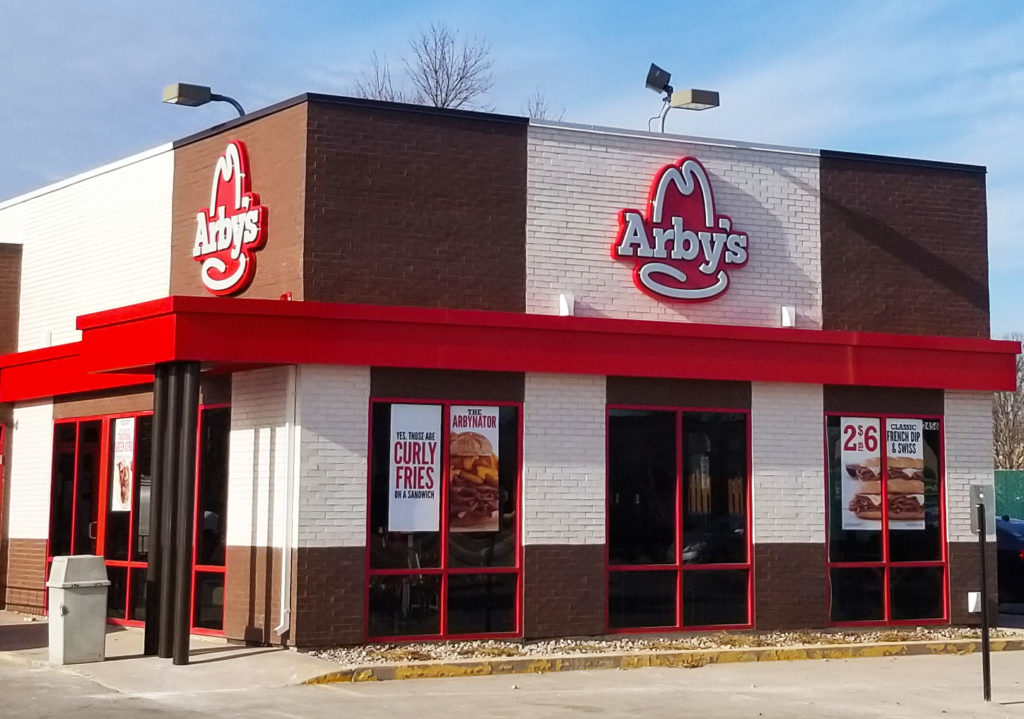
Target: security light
{"x":182,"y":93}
{"x":692,"y":99}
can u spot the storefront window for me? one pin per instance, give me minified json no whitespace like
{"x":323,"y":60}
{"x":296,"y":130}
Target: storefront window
{"x":100,"y":504}
{"x":885,"y":517}
{"x":678,"y":519}
{"x":443,"y":538}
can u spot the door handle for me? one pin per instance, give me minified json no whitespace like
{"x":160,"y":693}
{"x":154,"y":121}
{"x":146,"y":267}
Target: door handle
{"x":92,"y":530}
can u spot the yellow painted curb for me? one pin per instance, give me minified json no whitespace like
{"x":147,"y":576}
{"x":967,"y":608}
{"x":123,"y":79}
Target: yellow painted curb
{"x":680,"y":659}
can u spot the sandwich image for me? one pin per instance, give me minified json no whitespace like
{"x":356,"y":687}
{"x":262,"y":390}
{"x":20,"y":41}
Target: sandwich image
{"x":905,"y":499}
{"x":904,"y":468}
{"x":866,"y":471}
{"x":473,"y":490}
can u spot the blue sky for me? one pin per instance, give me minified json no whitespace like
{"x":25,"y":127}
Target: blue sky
{"x":937,"y":80}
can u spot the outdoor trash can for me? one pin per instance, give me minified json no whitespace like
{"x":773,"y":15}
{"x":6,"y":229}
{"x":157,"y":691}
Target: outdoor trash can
{"x":78,"y":609}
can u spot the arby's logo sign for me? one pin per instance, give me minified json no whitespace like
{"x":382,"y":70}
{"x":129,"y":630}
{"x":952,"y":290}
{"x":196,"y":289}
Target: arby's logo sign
{"x":232,"y":228}
{"x":682,"y":249}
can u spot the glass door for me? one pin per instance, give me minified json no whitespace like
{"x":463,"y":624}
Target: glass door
{"x":75,"y":489}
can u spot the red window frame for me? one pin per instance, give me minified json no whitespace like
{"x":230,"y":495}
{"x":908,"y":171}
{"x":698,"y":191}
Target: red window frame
{"x":443,"y":570}
{"x":679,"y":566}
{"x":103,"y":489}
{"x":884,"y":563}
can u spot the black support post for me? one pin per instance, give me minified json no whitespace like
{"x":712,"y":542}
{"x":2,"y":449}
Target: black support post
{"x":183,"y":539}
{"x":168,"y":509}
{"x":156,"y":482}
{"x":986,"y":665}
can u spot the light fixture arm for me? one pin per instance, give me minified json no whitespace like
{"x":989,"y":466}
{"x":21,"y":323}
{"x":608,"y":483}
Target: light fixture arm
{"x":664,"y":111}
{"x":241,"y":113}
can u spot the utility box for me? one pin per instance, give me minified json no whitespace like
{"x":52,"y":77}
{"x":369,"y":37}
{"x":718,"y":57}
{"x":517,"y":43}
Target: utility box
{"x":78,"y":609}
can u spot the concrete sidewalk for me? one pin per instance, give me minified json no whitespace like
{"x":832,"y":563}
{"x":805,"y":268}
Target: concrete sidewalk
{"x":214,"y":664}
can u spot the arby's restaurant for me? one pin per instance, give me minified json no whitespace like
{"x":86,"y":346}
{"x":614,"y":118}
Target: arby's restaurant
{"x":441,"y":374}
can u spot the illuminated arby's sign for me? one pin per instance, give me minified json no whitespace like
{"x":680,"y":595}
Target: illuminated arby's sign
{"x":232,"y":228}
{"x":682,"y":249}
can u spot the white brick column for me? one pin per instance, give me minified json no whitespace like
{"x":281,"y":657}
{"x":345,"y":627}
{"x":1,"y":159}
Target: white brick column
{"x":968,"y":443}
{"x":31,"y":452}
{"x":787,"y":438}
{"x":334,"y":421}
{"x":564,"y":459}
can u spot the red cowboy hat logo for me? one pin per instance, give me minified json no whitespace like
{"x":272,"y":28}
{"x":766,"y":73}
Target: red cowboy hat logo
{"x":682,"y":248}
{"x":232,"y":228}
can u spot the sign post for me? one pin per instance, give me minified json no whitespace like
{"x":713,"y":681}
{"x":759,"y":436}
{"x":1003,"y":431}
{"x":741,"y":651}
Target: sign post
{"x":982,"y":498}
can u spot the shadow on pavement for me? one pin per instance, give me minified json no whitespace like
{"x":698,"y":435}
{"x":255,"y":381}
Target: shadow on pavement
{"x":15,"y":637}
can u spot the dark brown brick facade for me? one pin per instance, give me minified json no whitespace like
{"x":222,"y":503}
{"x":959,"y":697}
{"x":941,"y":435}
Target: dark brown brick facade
{"x":330,"y":587}
{"x":276,"y":143}
{"x":883,"y":400}
{"x":790,"y":586}
{"x":407,"y":206}
{"x":252,"y":594}
{"x":447,"y":385}
{"x":10,"y":293}
{"x":903,"y":247}
{"x":564,"y":590}
{"x":26,"y":575}
{"x":965,"y":576}
{"x":678,"y":392}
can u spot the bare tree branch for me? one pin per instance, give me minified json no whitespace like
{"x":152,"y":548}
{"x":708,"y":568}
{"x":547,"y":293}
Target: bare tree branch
{"x":1008,"y":421}
{"x":537,"y":108}
{"x":376,"y":84}
{"x":446,"y":72}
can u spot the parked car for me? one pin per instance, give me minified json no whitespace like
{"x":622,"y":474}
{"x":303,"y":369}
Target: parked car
{"x":1010,"y":546}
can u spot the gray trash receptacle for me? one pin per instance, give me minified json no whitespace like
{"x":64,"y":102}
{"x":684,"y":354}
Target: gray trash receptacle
{"x":78,"y":609}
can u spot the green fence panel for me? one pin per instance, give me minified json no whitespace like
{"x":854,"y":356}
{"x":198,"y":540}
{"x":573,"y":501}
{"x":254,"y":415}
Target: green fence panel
{"x":1010,"y":493}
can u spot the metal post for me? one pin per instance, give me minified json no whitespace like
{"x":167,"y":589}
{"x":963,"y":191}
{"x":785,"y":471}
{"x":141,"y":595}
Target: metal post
{"x":186,"y":508}
{"x":168,"y":509}
{"x":986,"y":667}
{"x":152,"y":635}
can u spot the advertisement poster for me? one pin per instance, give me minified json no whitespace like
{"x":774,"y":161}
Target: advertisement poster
{"x":861,"y":457}
{"x":121,"y":481}
{"x":904,"y":461}
{"x":414,"y":491}
{"x":473,"y":456}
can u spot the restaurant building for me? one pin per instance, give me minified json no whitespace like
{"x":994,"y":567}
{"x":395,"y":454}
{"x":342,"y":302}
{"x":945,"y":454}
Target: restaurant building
{"x":468,"y":375}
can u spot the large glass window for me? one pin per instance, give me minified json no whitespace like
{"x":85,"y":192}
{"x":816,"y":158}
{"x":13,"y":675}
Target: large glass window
{"x":100,"y":503}
{"x":443,"y":539}
{"x":678,"y":519}
{"x":886,"y":547}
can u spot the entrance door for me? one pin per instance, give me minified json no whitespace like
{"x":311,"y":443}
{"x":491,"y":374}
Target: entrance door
{"x":75,"y":489}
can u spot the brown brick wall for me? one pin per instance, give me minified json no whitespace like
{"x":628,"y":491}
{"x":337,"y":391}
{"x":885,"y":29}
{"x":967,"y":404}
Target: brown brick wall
{"x":26,"y":575}
{"x":415,"y":208}
{"x":965,"y":576}
{"x":564,"y":590}
{"x":883,"y":400}
{"x":790,"y":586}
{"x":277,"y":165}
{"x":446,"y":385}
{"x":330,"y":586}
{"x":252,"y":594}
{"x":678,"y":392}
{"x":903,"y":248}
{"x":10,"y":292}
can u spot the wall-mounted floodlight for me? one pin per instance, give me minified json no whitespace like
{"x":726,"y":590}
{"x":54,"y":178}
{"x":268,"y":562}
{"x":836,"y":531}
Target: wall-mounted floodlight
{"x":182,"y":93}
{"x":692,"y":99}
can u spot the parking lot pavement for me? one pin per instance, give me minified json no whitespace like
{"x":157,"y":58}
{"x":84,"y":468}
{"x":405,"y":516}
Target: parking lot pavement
{"x":904,"y":687}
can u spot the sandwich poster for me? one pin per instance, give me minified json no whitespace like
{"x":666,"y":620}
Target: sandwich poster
{"x":121,"y":480}
{"x":414,"y":472}
{"x":861,"y":457}
{"x":473,"y":464}
{"x":904,"y":461}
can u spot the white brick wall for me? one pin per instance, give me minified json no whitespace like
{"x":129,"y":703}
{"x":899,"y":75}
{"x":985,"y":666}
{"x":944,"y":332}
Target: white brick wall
{"x":968,"y":442}
{"x":333,"y":415}
{"x":787,"y":430}
{"x":564,"y":467}
{"x":258,"y":458}
{"x":94,"y":242}
{"x":31,"y":449}
{"x":578,"y":181}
